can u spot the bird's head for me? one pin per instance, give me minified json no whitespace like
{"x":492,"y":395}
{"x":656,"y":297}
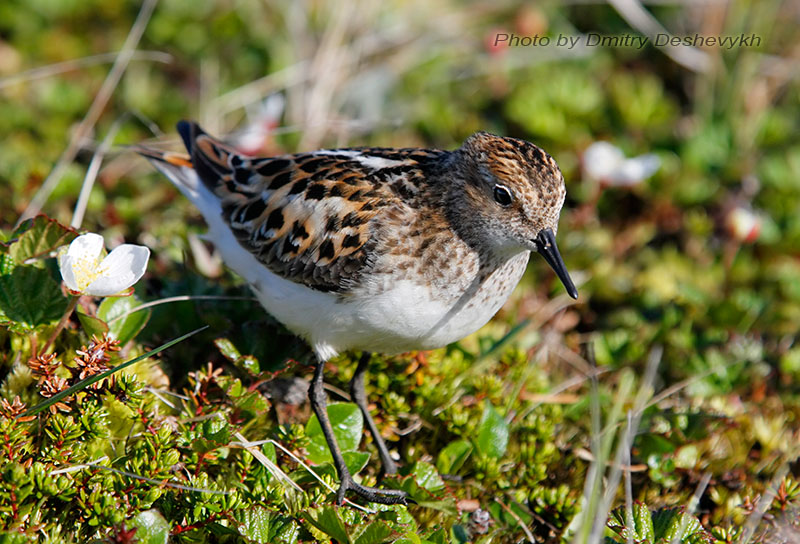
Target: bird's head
{"x":512,"y":193}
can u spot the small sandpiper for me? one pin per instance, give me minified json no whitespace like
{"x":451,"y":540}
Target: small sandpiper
{"x":375,"y":249}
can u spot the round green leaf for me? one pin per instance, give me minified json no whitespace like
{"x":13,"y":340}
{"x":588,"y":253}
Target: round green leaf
{"x":355,"y":460}
{"x":427,"y":477}
{"x":92,"y":325}
{"x":347,"y":423}
{"x":493,"y":433}
{"x":152,"y":528}
{"x":328,"y":521}
{"x":122,"y":328}
{"x":453,"y":456}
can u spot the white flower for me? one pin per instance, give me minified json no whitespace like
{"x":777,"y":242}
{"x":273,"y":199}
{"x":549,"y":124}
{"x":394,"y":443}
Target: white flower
{"x":85,"y":271}
{"x":743,"y":224}
{"x":606,"y":163}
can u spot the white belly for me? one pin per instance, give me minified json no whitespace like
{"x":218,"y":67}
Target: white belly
{"x":406,"y":317}
{"x":409,"y":316}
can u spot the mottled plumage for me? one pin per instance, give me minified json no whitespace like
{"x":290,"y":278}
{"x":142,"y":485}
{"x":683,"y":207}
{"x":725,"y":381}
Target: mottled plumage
{"x":314,"y":218}
{"x":377,"y":249}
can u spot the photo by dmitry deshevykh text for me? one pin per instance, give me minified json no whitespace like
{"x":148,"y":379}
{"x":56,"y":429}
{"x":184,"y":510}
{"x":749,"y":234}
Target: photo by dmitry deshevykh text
{"x":637,"y":41}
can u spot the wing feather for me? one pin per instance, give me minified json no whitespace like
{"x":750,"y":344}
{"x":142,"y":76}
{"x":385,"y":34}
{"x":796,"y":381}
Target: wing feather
{"x":313,"y":218}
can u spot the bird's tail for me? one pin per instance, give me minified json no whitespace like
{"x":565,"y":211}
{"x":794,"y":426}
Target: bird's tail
{"x":167,"y":158}
{"x":171,"y":164}
{"x":181,"y":168}
{"x":211,"y":161}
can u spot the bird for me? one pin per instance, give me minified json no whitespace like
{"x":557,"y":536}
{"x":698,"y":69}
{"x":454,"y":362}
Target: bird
{"x":375,"y":250}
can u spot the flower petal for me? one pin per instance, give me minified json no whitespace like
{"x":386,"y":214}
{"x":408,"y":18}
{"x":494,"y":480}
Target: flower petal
{"x":86,"y":250}
{"x":634,"y":170}
{"x":120,"y":270}
{"x":67,"y":273}
{"x":601,"y":159}
{"x":743,"y":224}
{"x":86,"y":246}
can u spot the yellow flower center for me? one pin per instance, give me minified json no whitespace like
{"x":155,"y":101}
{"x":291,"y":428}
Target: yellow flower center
{"x":87,"y":269}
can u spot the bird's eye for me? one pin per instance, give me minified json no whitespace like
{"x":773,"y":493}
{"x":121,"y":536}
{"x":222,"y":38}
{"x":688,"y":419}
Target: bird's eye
{"x":502,"y":195}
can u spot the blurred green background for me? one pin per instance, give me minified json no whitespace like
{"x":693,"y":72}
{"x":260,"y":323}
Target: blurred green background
{"x":700,"y":259}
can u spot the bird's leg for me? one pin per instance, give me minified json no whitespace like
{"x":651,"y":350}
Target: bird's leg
{"x":359,"y":396}
{"x":319,"y":403}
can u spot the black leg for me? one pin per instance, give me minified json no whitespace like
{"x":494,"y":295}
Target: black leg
{"x":319,"y":403}
{"x":359,"y":396}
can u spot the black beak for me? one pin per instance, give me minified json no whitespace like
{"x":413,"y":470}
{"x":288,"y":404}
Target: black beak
{"x":546,"y":244}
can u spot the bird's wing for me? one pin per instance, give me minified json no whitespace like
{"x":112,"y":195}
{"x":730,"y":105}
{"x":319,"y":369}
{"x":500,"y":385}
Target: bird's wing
{"x":313,"y":218}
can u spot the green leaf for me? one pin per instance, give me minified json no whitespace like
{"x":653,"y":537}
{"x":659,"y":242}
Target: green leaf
{"x":152,"y":528}
{"x":460,"y":534}
{"x":376,"y":532}
{"x":248,"y":363}
{"x":642,"y":528}
{"x":268,"y":449}
{"x":453,"y":456}
{"x":29,"y":297}
{"x":651,"y":443}
{"x":251,"y":401}
{"x":258,"y":524}
{"x":427,"y":477}
{"x":227,"y":349}
{"x":493,"y":431}
{"x":254,"y":524}
{"x":214,"y":433}
{"x":355,"y":460}
{"x":97,"y":377}
{"x":662,"y":526}
{"x":15,"y":538}
{"x":676,"y":525}
{"x":439,"y":536}
{"x":347,"y":423}
{"x":328,"y":521}
{"x":424,"y":486}
{"x":90,"y":324}
{"x":643,"y":522}
{"x":36,"y":237}
{"x":122,"y":326}
{"x":7,"y":264}
{"x":216,"y":430}
{"x":408,"y":538}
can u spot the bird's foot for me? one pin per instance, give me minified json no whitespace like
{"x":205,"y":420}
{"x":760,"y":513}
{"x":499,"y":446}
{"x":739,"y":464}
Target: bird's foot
{"x":371,"y":494}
